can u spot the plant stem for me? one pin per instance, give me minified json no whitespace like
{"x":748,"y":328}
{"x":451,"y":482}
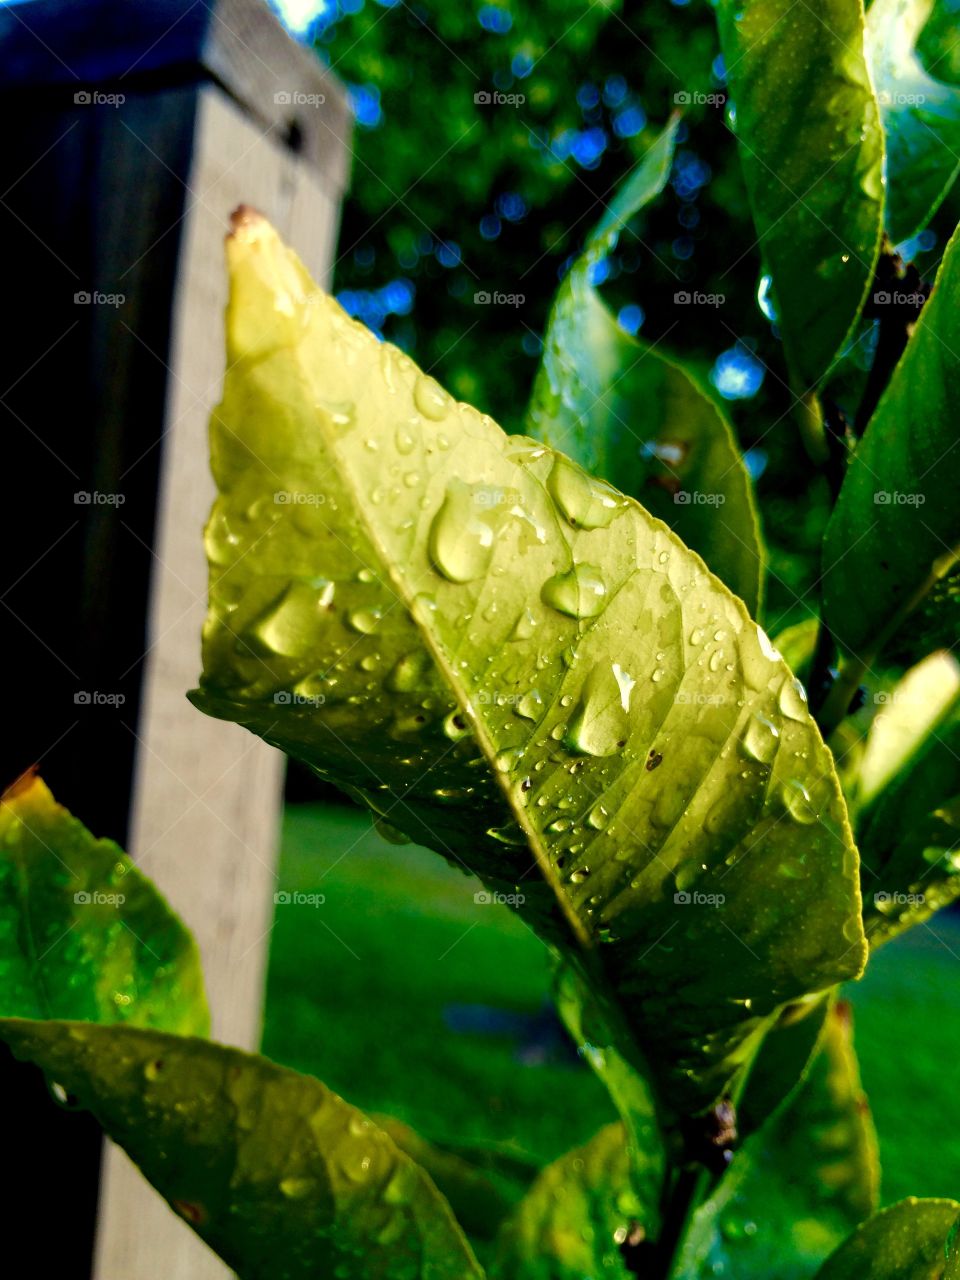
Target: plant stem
{"x":684,"y":1199}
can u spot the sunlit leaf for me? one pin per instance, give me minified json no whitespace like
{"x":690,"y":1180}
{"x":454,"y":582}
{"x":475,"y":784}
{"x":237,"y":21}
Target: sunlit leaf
{"x":551,"y":692}
{"x":906,"y":716}
{"x":920,"y":116}
{"x":909,"y":832}
{"x":631,"y":416}
{"x":281,"y":1177}
{"x":83,"y":934}
{"x":810,"y":141}
{"x":908,"y":1241}
{"x":895,"y":530}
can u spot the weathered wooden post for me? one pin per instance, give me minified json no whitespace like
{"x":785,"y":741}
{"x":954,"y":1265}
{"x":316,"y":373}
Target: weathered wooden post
{"x":133,"y":128}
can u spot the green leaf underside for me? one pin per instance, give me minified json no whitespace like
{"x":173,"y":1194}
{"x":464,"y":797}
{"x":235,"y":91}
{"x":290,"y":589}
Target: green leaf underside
{"x":810,"y":140}
{"x":908,"y":1241}
{"x":83,"y":934}
{"x":518,"y":669}
{"x":802,"y":1183}
{"x":896,"y":526}
{"x":909,"y":835}
{"x":626,"y":413}
{"x":281,"y":1177}
{"x":920,"y":116}
{"x":573,"y":1219}
{"x":782,"y":1063}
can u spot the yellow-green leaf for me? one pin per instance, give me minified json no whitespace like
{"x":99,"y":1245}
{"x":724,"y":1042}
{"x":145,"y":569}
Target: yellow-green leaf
{"x":575,"y":710}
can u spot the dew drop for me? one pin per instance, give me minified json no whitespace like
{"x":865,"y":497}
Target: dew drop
{"x":463,"y":533}
{"x":524,"y":626}
{"x":365,"y":621}
{"x":793,"y":699}
{"x":599,"y":724}
{"x":430,"y":398}
{"x":687,"y":873}
{"x":597,"y":817}
{"x":586,"y":502}
{"x":579,"y":593}
{"x":530,"y":705}
{"x":797,"y":802}
{"x":455,"y":726}
{"x":407,"y":672}
{"x":760,"y":739}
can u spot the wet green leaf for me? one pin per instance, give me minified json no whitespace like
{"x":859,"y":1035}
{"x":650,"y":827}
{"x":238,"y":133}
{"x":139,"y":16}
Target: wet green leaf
{"x":801,"y":1183}
{"x":920,"y":116}
{"x":281,"y":1177}
{"x":628,"y":414}
{"x":895,"y":530}
{"x":479,"y":1199}
{"x":909,"y":832}
{"x":576,"y":1215}
{"x":908,"y":1241}
{"x":84,"y":934}
{"x":574,"y":709}
{"x":811,"y":145}
{"x":783,"y":1062}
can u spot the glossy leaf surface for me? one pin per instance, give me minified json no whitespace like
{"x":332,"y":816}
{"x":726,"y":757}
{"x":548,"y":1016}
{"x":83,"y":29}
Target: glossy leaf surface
{"x":522,"y":670}
{"x":84,"y":934}
{"x":281,"y":1177}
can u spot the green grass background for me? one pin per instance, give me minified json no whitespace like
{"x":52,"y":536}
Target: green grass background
{"x":358,"y":988}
